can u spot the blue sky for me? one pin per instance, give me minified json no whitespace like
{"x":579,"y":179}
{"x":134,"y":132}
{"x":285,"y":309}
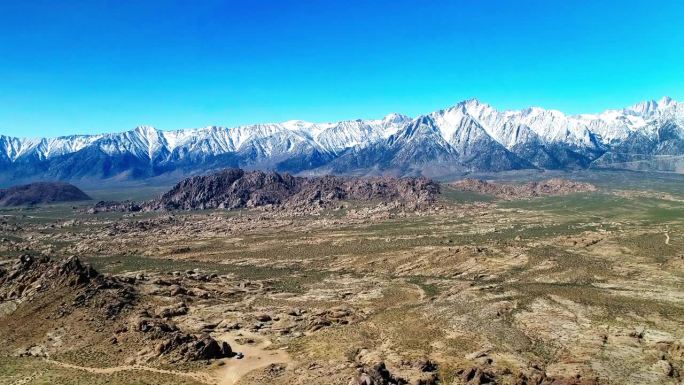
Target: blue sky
{"x":99,"y":66}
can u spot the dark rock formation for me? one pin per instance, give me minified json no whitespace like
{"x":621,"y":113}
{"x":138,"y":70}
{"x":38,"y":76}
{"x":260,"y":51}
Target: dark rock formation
{"x":235,"y":188}
{"x":180,"y":346}
{"x":113,"y":206}
{"x":477,"y":376}
{"x":376,"y":375}
{"x":41,"y":193}
{"x":208,"y":348}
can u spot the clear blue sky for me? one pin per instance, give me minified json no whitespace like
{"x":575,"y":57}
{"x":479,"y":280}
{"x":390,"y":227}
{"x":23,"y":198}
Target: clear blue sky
{"x":98,"y":66}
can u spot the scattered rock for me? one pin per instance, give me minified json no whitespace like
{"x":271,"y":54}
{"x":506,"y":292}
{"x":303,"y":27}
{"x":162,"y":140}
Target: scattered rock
{"x":263,"y":318}
{"x":173,"y":310}
{"x":376,"y":375}
{"x":555,"y":186}
{"x":663,"y":368}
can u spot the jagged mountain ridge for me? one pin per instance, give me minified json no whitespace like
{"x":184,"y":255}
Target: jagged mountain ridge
{"x":470,"y":136}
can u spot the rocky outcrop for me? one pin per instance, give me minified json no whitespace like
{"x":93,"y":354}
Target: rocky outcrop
{"x":31,"y":276}
{"x":208,"y":348}
{"x":114,"y":206}
{"x":330,"y":317}
{"x":188,"y":347}
{"x":417,"y":372}
{"x":491,"y":375}
{"x":41,"y":193}
{"x":169,"y":341}
{"x":236,"y":188}
{"x":554,"y":186}
{"x":376,"y":375}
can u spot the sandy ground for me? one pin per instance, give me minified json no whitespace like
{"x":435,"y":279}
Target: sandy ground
{"x":257,"y":356}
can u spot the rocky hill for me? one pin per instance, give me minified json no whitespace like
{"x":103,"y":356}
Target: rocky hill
{"x":41,"y":193}
{"x":236,"y":188}
{"x":31,"y":276}
{"x":556,"y":186}
{"x":61,"y":291}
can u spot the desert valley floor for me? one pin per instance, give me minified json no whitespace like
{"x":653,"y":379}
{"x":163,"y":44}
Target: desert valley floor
{"x":584,"y":288}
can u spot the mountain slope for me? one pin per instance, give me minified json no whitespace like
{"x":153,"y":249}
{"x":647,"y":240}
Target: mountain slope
{"x":41,"y":193}
{"x":470,"y":136}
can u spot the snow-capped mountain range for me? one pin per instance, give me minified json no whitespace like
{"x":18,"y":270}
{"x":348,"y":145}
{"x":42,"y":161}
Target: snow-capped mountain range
{"x":470,"y":136}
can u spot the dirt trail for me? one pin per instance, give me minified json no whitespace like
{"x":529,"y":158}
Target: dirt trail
{"x":667,"y":238}
{"x":201,"y":377}
{"x":257,"y":356}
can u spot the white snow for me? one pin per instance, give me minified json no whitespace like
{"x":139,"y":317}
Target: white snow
{"x":457,"y":125}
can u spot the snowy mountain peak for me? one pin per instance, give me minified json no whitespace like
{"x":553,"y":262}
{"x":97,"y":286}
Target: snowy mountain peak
{"x":470,"y":129}
{"x":666,"y":101}
{"x":651,"y":108}
{"x":471,"y":102}
{"x":297,"y":124}
{"x":143,"y":129}
{"x":396,"y":118}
